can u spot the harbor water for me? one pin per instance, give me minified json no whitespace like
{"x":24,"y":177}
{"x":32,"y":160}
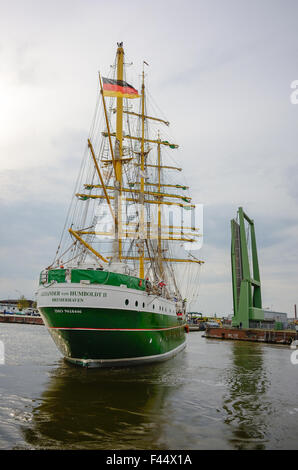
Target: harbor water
{"x":214,"y":395}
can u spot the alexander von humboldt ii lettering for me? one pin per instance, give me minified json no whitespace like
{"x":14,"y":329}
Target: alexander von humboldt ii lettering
{"x":118,"y":288}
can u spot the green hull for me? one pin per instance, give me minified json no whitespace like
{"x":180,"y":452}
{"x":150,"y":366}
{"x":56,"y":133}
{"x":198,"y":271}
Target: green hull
{"x":106,"y":337}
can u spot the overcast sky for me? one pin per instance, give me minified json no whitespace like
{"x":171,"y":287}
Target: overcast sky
{"x":221,"y":72}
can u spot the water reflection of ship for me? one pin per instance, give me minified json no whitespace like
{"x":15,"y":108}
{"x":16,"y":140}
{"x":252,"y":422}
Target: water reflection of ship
{"x":99,"y":409}
{"x":246,"y":404}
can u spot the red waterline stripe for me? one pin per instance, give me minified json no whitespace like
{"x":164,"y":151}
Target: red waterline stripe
{"x":115,"y":329}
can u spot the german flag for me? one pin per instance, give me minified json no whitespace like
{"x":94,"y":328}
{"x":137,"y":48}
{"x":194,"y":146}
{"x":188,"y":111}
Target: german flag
{"x":118,"y":88}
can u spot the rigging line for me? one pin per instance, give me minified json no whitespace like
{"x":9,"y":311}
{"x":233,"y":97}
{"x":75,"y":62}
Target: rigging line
{"x":151,"y":99}
{"x":74,"y":257}
{"x":67,"y":217}
{"x":74,"y":206}
{"x":68,"y":249}
{"x":84,"y":213}
{"x":130,"y":247}
{"x":153,"y":259}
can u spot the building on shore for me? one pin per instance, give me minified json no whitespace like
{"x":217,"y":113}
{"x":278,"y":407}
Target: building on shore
{"x":272,"y":320}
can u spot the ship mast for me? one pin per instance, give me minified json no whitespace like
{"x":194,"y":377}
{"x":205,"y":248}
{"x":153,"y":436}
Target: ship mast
{"x":159,"y":247}
{"x":142,"y":194}
{"x":118,"y":158}
{"x":141,"y":198}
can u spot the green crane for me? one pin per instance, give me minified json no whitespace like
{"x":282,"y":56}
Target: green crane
{"x":247,"y":298}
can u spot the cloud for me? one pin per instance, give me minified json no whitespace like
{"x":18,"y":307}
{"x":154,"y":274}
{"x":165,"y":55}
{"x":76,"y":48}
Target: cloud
{"x":29,"y":239}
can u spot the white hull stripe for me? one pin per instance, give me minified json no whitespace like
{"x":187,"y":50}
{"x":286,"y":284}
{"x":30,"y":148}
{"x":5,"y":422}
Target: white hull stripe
{"x":115,"y":329}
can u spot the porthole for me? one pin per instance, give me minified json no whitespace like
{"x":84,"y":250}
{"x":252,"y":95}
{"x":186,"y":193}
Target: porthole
{"x":126,"y":302}
{"x":137,"y":303}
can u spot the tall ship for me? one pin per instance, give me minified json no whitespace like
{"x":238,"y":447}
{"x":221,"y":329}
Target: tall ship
{"x":119,"y":286}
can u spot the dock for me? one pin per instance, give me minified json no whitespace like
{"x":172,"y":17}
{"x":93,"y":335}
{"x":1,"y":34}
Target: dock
{"x":252,"y":334}
{"x":32,"y":320}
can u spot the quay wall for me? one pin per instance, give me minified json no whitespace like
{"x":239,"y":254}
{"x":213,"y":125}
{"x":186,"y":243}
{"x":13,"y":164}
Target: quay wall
{"x":6,"y":318}
{"x":251,"y":334}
